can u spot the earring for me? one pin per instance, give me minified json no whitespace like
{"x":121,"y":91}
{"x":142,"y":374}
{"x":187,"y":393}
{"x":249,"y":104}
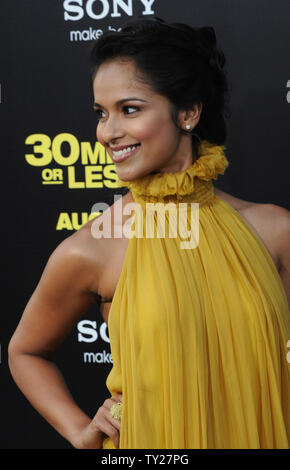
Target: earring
{"x":188,"y":126}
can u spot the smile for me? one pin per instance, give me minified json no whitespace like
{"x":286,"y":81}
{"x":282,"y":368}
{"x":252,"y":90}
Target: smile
{"x":122,"y":155}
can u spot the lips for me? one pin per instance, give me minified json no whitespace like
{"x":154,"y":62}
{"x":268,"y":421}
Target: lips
{"x":122,"y":147}
{"x":124,"y":156}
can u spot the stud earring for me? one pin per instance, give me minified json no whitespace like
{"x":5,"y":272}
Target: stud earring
{"x":188,"y":126}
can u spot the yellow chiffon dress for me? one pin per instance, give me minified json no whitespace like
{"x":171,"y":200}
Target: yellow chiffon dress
{"x":198,"y":335}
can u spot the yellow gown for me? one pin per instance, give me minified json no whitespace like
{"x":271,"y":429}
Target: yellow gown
{"x":199,"y":335}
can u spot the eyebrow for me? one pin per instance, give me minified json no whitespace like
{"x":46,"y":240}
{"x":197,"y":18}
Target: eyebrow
{"x":123,"y":101}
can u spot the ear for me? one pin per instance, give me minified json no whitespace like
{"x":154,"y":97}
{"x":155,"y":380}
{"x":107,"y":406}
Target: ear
{"x":190,"y":117}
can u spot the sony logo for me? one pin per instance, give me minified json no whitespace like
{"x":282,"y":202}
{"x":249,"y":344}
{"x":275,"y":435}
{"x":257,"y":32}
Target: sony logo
{"x":87,"y":331}
{"x":74,"y":10}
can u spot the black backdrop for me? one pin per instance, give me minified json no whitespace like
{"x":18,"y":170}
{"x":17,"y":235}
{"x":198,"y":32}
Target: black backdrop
{"x":45,"y":90}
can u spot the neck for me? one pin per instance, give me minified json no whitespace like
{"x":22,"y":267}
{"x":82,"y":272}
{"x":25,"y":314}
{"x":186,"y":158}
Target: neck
{"x":178,"y":166}
{"x":193,"y":182}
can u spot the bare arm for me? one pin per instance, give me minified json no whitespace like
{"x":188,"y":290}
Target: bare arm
{"x":283,"y":231}
{"x":61,"y":297}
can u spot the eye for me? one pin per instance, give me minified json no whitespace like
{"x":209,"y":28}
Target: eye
{"x":98,"y":113}
{"x":135,"y":108}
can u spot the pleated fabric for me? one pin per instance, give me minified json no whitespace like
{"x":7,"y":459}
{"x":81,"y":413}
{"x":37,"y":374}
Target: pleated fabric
{"x":199,"y":336}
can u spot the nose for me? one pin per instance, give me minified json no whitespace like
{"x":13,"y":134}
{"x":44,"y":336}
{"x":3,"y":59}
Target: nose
{"x":110,"y":130}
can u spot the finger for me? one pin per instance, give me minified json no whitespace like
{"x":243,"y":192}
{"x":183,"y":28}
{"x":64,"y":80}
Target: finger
{"x":115,"y":422}
{"x":112,"y":401}
{"x":118,"y":397}
{"x":109,"y":403}
{"x":113,"y":433}
{"x":106,"y":427}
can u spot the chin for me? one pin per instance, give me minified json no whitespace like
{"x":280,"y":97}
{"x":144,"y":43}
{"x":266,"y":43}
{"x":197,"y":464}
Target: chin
{"x":127,"y":175}
{"x":134,"y":170}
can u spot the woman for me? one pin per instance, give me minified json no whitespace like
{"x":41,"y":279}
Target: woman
{"x":198,"y":333}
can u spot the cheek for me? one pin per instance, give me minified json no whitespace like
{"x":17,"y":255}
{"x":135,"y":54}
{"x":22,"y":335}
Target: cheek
{"x":98,"y":133}
{"x":154,"y":131}
{"x":144,"y":129}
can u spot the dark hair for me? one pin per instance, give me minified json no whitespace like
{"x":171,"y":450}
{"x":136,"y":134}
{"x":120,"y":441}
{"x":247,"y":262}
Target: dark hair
{"x":177,"y":61}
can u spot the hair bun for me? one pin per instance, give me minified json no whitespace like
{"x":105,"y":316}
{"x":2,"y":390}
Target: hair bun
{"x":203,"y":42}
{"x":207,"y":33}
{"x":207,"y":44}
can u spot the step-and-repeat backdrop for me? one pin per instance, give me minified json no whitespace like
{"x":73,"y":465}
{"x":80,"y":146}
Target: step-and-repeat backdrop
{"x":53,"y":170}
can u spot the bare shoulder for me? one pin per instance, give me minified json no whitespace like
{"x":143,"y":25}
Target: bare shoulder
{"x":236,"y":203}
{"x":278,"y":222}
{"x":87,"y":243}
{"x":276,"y":216}
{"x":270,"y":221}
{"x":100,"y":253}
{"x":279,"y":216}
{"x":82,"y":254}
{"x":277,"y":219}
{"x":83,"y":244}
{"x":72,"y":260}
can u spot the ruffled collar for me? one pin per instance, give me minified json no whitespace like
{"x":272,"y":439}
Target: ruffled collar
{"x":165,"y":186}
